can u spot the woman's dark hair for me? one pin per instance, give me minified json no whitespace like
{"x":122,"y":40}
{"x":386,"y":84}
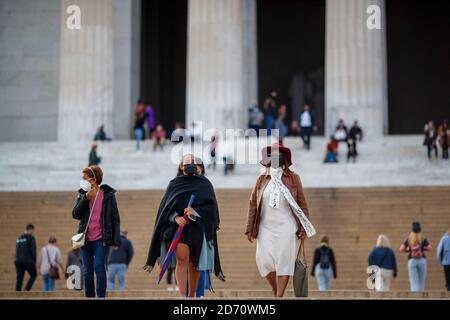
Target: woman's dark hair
{"x":200,"y":164}
{"x":94,"y":172}
{"x":180,"y":171}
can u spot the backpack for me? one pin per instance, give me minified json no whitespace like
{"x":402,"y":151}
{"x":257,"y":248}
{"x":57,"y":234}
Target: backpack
{"x":416,"y":251}
{"x":324,"y":261}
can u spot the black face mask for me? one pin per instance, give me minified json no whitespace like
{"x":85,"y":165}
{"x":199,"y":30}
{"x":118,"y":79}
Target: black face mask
{"x":190,"y":169}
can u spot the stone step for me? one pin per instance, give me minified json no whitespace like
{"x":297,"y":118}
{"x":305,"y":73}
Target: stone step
{"x":242,"y":294}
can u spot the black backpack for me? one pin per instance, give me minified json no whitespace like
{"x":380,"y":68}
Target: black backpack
{"x":324,"y":261}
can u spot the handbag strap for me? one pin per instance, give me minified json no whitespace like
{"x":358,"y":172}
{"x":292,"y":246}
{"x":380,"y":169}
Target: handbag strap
{"x":302,"y":248}
{"x":92,"y":209}
{"x":48,"y":257}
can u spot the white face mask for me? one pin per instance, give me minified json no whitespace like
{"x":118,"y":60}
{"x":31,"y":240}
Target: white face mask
{"x":85,"y":185}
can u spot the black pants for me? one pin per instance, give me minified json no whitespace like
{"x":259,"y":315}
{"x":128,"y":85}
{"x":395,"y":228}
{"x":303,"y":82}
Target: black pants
{"x":20,"y":271}
{"x":430,"y":148}
{"x":445,"y":152}
{"x":305,"y":133}
{"x":447,"y":277}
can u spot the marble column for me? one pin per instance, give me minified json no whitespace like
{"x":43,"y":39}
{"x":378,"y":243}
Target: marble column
{"x":356,"y":70}
{"x":127,"y":33}
{"x":221,"y":62}
{"x":86,"y":72}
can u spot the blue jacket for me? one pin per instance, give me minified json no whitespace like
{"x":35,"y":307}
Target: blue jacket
{"x":123,"y":254}
{"x":383,"y":258}
{"x":443,"y":250}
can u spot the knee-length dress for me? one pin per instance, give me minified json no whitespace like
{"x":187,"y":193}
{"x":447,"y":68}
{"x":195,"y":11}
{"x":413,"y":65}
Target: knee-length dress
{"x":277,"y":242}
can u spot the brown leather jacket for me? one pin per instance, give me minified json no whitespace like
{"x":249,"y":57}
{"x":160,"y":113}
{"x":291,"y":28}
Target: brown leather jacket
{"x":292,"y":181}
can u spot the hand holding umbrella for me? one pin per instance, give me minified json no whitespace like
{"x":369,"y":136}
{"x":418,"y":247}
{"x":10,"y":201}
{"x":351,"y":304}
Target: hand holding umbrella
{"x":175,"y":240}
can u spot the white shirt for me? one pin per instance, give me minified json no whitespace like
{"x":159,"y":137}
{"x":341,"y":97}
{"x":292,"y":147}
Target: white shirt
{"x":305,"y":119}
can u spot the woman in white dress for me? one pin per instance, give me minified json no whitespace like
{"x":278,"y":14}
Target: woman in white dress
{"x":277,"y":218}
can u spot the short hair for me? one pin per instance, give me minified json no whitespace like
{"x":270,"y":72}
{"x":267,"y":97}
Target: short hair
{"x":94,"y":172}
{"x":52,"y":239}
{"x":29,"y":226}
{"x":325,"y":239}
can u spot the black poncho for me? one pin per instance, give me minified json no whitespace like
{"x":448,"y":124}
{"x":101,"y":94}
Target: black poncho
{"x":176,"y":199}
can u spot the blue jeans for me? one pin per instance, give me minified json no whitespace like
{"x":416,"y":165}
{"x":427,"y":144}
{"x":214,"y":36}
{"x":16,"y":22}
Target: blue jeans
{"x":119,"y":269}
{"x":94,"y":260}
{"x":417,"y":269}
{"x":49,"y":283}
{"x":331,"y":157}
{"x":323,"y":277}
{"x":138,"y":134}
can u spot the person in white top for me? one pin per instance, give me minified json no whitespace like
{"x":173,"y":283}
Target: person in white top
{"x":306,"y":126}
{"x":49,"y":257}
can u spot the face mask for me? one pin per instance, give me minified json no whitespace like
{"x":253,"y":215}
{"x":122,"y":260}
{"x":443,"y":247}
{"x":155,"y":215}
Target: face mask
{"x":190,"y":169}
{"x":85,"y":185}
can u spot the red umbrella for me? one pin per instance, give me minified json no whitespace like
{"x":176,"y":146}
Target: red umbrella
{"x":173,"y":245}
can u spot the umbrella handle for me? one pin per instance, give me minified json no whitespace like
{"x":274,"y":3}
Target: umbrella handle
{"x":191,"y":200}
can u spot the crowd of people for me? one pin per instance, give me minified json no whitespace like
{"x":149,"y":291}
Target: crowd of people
{"x":145,"y":126}
{"x":383,"y":258}
{"x":348,"y":137}
{"x":185,"y":242}
{"x":434,"y":137}
{"x":49,"y":264}
{"x":273,"y":116}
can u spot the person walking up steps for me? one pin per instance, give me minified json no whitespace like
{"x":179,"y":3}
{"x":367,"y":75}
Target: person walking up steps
{"x":49,"y":264}
{"x":383,"y":257}
{"x":119,"y":261}
{"x":324,"y":265}
{"x":415,"y":245}
{"x":443,"y":256}
{"x":25,"y":258}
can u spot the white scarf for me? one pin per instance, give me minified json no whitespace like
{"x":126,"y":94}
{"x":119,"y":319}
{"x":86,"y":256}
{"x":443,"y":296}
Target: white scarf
{"x":278,"y":189}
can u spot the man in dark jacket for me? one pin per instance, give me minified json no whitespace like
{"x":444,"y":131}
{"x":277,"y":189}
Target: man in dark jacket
{"x":25,"y":258}
{"x":118,"y":262}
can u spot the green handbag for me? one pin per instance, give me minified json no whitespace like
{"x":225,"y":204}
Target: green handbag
{"x":300,"y":279}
